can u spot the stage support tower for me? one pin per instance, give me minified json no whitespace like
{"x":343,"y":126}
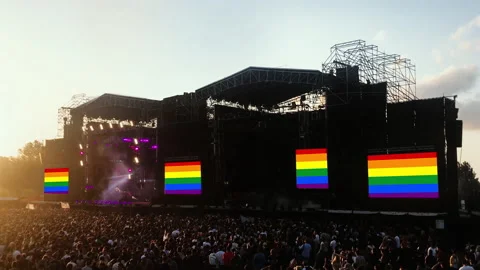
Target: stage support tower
{"x":375,"y":67}
{"x":64,"y":116}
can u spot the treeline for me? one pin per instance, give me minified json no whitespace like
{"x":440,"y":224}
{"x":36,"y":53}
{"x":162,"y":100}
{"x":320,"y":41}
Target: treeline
{"x":468,"y":186}
{"x":22,"y":176}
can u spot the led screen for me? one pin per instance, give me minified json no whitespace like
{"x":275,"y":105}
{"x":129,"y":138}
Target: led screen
{"x":413,"y":175}
{"x":183,"y":178}
{"x":312,"y":169}
{"x":56,"y":181}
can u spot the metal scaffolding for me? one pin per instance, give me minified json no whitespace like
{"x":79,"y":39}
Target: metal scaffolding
{"x":375,"y":67}
{"x":64,"y":116}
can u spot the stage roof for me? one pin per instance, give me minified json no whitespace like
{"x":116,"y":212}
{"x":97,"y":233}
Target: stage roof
{"x":117,"y":106}
{"x":264,"y":86}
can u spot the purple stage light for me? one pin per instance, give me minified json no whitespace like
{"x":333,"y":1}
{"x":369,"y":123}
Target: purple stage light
{"x":144,"y":140}
{"x":127,"y":140}
{"x":136,"y":148}
{"x":81,"y":153}
{"x":129,"y":170}
{"x":154,"y":146}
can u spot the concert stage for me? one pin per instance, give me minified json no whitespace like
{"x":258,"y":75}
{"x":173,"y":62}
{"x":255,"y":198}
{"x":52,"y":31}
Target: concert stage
{"x":351,"y":136}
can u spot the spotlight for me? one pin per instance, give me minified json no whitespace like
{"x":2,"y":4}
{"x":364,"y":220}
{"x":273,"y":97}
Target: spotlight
{"x":84,"y":129}
{"x":135,"y":141}
{"x":131,"y":123}
{"x":101,"y":127}
{"x":121,"y":125}
{"x":80,"y":146}
{"x":81,"y":153}
{"x":81,"y":163}
{"x":110,"y":125}
{"x":129,"y":170}
{"x":136,"y":160}
{"x":129,"y":176}
{"x":136,"y":148}
{"x":91,"y":128}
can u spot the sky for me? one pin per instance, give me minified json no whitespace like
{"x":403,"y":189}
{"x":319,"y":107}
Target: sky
{"x":51,"y":50}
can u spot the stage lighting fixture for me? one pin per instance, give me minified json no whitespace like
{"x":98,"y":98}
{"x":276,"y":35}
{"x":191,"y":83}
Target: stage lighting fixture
{"x":136,"y":160}
{"x":136,"y":148}
{"x":154,"y":146}
{"x":135,"y":141}
{"x":129,"y":170}
{"x":101,"y":127}
{"x":129,"y":176}
{"x":121,"y":125}
{"x":81,"y":153}
{"x":91,"y":128}
{"x":81,"y":163}
{"x":131,"y":123}
{"x":80,"y":146}
{"x":110,"y":125}
{"x":84,"y":129}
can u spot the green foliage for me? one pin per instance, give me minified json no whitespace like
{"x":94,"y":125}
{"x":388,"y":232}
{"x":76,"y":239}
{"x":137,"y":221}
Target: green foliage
{"x":468,"y":184}
{"x":22,"y":175}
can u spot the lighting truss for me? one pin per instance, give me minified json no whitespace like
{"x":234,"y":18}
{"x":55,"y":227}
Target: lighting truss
{"x":376,"y":67}
{"x":126,"y":124}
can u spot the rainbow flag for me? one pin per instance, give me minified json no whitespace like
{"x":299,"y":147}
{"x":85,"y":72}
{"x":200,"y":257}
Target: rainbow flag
{"x":183,"y":178}
{"x":312,"y":169}
{"x":56,"y":181}
{"x":413,"y":175}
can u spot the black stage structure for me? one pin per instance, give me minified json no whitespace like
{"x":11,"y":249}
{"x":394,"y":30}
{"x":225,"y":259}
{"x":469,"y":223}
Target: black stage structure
{"x":245,"y":128}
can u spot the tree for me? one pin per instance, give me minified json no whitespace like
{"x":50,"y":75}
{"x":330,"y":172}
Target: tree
{"x":32,"y":151}
{"x":468,"y":184}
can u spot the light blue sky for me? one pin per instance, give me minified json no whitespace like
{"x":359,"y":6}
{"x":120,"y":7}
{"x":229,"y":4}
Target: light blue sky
{"x":51,"y":50}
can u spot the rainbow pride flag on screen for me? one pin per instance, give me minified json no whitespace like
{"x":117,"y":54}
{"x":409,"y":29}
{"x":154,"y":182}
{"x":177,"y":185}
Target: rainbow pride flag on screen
{"x":413,"y":175}
{"x":183,"y":178}
{"x":312,"y":169}
{"x":56,"y":181}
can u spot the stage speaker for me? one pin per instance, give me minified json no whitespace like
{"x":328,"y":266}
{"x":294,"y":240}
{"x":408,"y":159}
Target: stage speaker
{"x":459,"y":133}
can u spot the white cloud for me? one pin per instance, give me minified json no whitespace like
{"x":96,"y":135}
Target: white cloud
{"x":464,"y":30}
{"x":437,"y":56}
{"x":469,"y":45}
{"x":451,"y":81}
{"x":380,"y":35}
{"x":469,"y":112}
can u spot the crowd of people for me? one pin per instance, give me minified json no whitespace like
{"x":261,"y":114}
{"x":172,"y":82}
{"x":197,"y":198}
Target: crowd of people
{"x":78,"y":239}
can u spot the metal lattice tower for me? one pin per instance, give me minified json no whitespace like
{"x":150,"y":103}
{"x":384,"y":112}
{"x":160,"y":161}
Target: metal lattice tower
{"x":375,"y":66}
{"x":64,"y":111}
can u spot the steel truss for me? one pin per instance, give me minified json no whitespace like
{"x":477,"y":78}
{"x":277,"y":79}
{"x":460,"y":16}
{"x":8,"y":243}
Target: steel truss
{"x":64,"y":117}
{"x":185,"y":106}
{"x":375,"y":67}
{"x":116,"y":101}
{"x":253,"y":75}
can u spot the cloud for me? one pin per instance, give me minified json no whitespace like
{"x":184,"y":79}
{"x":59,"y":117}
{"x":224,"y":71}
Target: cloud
{"x":469,"y":45}
{"x":380,"y":35}
{"x":469,"y":112}
{"x":437,"y":56}
{"x":451,"y":81}
{"x":464,"y":30}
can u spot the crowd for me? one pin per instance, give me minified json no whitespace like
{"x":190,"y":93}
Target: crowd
{"x":76,"y":239}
